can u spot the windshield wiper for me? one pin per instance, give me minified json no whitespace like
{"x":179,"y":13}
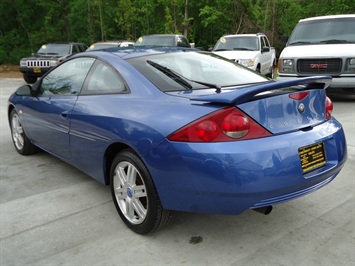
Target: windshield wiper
{"x":242,"y":49}
{"x":181,"y":79}
{"x":296,"y":43}
{"x":335,"y":41}
{"x":171,"y":74}
{"x":209,"y":85}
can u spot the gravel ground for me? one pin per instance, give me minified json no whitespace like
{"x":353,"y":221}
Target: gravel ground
{"x":10,"y":71}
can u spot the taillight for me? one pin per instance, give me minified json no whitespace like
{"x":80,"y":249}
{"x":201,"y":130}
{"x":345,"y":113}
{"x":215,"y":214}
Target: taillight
{"x":299,"y":95}
{"x":226,"y":124}
{"x":328,"y":108}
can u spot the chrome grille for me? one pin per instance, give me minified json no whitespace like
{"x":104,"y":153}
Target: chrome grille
{"x":319,"y":66}
{"x":37,"y":63}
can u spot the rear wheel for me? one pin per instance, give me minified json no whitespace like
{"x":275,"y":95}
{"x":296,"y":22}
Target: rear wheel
{"x":134,"y":194}
{"x":29,"y":79}
{"x":21,"y":142}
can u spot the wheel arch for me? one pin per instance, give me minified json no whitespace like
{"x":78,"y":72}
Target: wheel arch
{"x":9,"y":110}
{"x":110,"y":154}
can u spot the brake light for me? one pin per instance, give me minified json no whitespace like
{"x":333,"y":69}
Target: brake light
{"x":299,"y":95}
{"x":328,"y":108}
{"x":226,"y":124}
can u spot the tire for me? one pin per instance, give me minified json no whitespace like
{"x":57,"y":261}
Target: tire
{"x":22,"y":144}
{"x":29,"y":79}
{"x":271,"y":74}
{"x":258,"y":69}
{"x":135,"y":196}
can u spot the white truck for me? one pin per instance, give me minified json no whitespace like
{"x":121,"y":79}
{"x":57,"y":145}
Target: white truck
{"x":250,"y":50}
{"x":322,"y":46}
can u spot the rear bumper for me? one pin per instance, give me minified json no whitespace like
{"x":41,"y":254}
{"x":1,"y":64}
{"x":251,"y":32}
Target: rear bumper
{"x":229,"y":178}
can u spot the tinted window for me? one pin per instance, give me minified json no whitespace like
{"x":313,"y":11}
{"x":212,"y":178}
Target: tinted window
{"x":103,"y":80}
{"x":67,"y":78}
{"x":193,"y":66}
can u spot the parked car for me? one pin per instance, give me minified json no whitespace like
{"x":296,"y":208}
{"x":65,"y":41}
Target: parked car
{"x":181,"y":129}
{"x":322,"y":45}
{"x":109,"y":44}
{"x":250,"y":50}
{"x":163,"y":40}
{"x":46,"y":58}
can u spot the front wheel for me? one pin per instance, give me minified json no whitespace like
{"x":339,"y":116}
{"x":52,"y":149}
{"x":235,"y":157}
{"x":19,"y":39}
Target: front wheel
{"x":22,"y":144}
{"x":134,"y":194}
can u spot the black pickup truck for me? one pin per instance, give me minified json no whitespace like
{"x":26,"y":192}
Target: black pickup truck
{"x":47,"y":57}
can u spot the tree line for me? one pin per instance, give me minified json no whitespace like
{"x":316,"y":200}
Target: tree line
{"x":27,"y":24}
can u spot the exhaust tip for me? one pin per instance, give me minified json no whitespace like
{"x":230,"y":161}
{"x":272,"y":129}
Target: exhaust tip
{"x":264,"y":210}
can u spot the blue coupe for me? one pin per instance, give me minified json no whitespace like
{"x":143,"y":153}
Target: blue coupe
{"x":181,"y":129}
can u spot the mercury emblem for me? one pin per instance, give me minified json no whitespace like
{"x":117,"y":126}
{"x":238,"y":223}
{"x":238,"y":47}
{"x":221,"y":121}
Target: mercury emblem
{"x":301,"y":108}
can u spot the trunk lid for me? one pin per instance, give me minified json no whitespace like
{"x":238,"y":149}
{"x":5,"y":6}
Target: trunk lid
{"x":279,"y":106}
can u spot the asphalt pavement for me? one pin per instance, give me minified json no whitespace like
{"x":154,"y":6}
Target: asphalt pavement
{"x":53,"y":214}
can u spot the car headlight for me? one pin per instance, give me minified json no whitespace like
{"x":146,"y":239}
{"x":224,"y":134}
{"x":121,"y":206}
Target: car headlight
{"x":23,"y":63}
{"x":287,"y":65}
{"x":352,"y":61}
{"x":53,"y":63}
{"x":246,"y":62}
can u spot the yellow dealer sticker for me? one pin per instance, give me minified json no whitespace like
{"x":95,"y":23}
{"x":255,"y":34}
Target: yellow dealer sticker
{"x":312,"y":156}
{"x":140,"y":39}
{"x":223,"y":40}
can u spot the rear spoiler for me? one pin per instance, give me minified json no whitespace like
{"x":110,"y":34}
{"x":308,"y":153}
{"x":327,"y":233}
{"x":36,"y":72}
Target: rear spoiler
{"x":244,"y":94}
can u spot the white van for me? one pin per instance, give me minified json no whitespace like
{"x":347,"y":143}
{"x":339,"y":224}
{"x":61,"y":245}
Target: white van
{"x":322,"y":46}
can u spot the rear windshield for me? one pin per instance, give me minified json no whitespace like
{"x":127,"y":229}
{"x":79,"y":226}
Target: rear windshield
{"x":340,"y":30}
{"x":193,"y":70}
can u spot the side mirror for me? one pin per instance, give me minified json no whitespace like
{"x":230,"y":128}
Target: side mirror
{"x":265,"y":49}
{"x":25,"y":90}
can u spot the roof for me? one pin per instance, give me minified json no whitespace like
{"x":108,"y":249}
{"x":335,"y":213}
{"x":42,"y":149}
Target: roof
{"x":329,"y":17}
{"x":243,"y":35}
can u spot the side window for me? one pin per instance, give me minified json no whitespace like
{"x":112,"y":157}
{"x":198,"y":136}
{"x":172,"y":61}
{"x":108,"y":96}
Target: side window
{"x":76,"y":49}
{"x":103,"y":80}
{"x":265,"y":42}
{"x":67,"y":78}
{"x":182,"y":41}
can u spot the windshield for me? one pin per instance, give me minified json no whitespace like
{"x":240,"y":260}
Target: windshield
{"x":237,"y":43}
{"x":99,"y":46}
{"x":156,"y":40}
{"x":193,"y":70}
{"x":54,"y":49}
{"x":340,"y":30}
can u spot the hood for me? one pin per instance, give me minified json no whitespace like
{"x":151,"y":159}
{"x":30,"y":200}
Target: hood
{"x":319,"y":50}
{"x":237,"y":54}
{"x":42,"y":56}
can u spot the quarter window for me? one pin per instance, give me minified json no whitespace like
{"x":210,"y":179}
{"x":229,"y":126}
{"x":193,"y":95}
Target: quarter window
{"x":103,"y":80}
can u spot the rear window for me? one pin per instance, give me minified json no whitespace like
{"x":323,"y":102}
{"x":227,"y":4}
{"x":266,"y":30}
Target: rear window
{"x":187,"y":70}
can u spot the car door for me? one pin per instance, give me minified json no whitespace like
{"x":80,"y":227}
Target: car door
{"x":265,"y":56}
{"x":48,"y":114}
